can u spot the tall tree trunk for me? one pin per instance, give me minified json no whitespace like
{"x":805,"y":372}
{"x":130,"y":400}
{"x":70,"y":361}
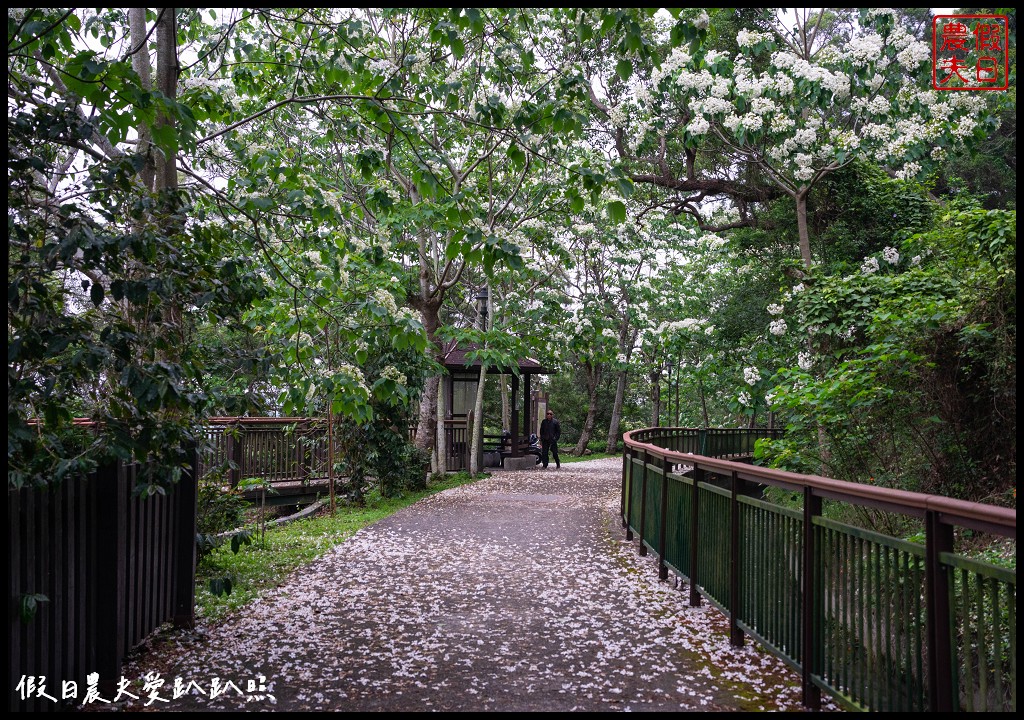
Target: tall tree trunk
{"x":593,"y":380}
{"x":801,"y":225}
{"x":165,"y":162}
{"x":476,"y":432}
{"x":166,"y":83}
{"x":427,"y":422}
{"x":441,"y":464}
{"x":613,"y":427}
{"x":425,"y":425}
{"x":627,"y":340}
{"x":142,"y":67}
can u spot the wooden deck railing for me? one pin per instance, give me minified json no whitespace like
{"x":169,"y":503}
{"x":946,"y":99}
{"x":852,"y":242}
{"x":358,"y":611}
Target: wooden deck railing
{"x":275,"y":450}
{"x":877,"y":622}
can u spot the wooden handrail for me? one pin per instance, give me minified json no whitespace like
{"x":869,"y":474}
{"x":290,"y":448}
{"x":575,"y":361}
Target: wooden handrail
{"x":1000,"y":520}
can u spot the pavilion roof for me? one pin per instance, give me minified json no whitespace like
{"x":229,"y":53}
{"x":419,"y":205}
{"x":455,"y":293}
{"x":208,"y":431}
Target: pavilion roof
{"x":456,"y":359}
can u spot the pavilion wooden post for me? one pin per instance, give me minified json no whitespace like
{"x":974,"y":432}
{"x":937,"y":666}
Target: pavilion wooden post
{"x":526,"y":407}
{"x":515,"y":417}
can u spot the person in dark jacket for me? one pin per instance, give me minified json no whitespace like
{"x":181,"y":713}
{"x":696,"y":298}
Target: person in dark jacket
{"x":550,"y":431}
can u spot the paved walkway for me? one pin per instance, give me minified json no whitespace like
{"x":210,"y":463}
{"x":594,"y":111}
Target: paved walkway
{"x":517,"y":593}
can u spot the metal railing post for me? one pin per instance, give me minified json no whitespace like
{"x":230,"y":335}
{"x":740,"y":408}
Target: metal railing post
{"x":662,"y":567}
{"x":938,"y":539}
{"x":643,"y":503}
{"x":629,"y":497}
{"x":735,"y":634}
{"x":698,"y":477}
{"x":811,"y":693}
{"x":622,"y":500}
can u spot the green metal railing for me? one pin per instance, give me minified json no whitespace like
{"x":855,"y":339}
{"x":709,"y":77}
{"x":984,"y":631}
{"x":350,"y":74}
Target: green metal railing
{"x":877,"y":622}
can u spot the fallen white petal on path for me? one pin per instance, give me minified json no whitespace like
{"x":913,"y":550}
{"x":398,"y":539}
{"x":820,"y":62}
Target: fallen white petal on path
{"x":514,"y":593}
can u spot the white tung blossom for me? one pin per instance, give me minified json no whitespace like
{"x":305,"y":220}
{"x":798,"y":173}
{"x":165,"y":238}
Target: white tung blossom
{"x":778,"y":327}
{"x":775,"y":309}
{"x":393,"y":373}
{"x":751,"y":375}
{"x":869,"y":266}
{"x":745,"y":399}
{"x":746,"y":38}
{"x":891,"y":255}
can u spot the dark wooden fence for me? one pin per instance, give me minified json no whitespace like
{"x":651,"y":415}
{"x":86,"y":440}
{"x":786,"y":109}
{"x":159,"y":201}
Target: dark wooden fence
{"x":877,"y":622}
{"x":112,"y":566}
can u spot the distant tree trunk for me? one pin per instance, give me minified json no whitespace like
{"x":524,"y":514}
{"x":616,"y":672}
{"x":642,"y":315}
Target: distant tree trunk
{"x":593,"y":373}
{"x":626,"y":341}
{"x":655,"y":377}
{"x":613,"y":427}
{"x":703,"y":402}
{"x":441,"y":465}
{"x":476,"y":432}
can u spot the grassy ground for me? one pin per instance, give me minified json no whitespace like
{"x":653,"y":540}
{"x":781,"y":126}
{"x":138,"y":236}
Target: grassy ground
{"x":268,"y":561}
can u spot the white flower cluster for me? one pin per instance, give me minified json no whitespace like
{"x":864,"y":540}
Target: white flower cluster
{"x":392,"y":373}
{"x":745,"y":399}
{"x":617,"y":115}
{"x":355,"y":374}
{"x":381,"y":68}
{"x":219,"y":86}
{"x":778,"y":327}
{"x":671,"y":327}
{"x":775,"y":309}
{"x":869,"y":266}
{"x":804,"y":361}
{"x":891,"y":255}
{"x":751,"y":375}
{"x":386,"y":300}
{"x":864,"y":49}
{"x":698,"y":126}
{"x":746,"y":38}
{"x":608,"y":333}
{"x":835,"y":82}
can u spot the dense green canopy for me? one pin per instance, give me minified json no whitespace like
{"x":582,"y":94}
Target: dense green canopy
{"x":703,"y":217}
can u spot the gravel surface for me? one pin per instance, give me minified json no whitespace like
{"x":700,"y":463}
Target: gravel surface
{"x":516,"y":593}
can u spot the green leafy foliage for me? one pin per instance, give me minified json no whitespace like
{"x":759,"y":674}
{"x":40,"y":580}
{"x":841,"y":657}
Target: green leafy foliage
{"x":908,"y":381}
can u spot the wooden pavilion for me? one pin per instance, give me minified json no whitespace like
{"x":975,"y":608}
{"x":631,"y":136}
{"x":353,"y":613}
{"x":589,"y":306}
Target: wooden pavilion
{"x":460,"y":386}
